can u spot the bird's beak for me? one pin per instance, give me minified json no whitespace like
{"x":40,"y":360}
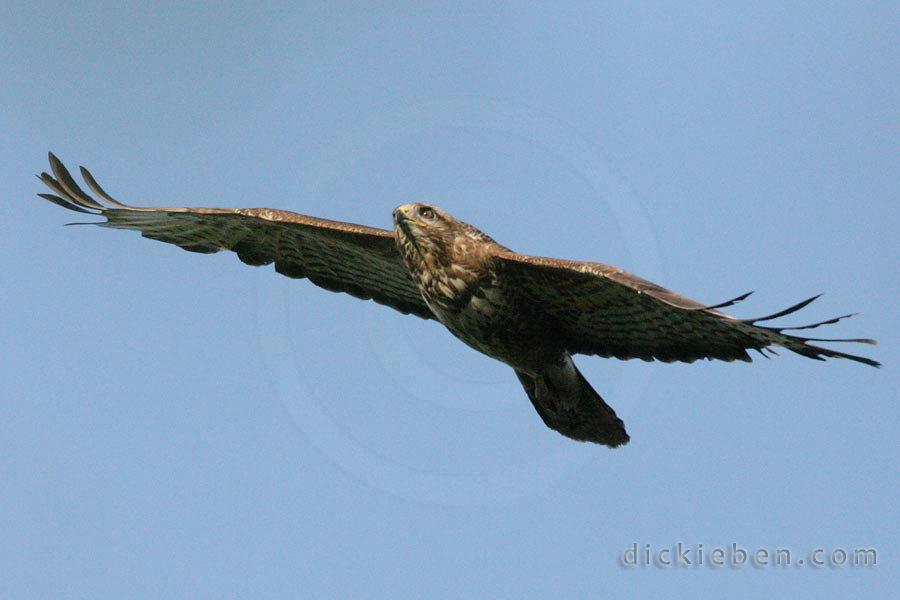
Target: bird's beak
{"x":403,"y":215}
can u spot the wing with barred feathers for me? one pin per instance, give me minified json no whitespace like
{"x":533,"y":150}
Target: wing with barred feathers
{"x":605,"y":311}
{"x":341,"y":257}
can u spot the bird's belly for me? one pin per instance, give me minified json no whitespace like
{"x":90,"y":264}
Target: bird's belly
{"x":500,"y":329}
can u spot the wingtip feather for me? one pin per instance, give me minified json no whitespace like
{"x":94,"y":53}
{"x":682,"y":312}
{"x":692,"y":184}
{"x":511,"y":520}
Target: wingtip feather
{"x":64,"y":203}
{"x":727,"y":303}
{"x":787,"y":311}
{"x":95,"y":187}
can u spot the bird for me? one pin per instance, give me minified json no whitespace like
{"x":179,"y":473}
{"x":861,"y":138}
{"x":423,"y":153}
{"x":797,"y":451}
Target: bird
{"x":531,"y":313}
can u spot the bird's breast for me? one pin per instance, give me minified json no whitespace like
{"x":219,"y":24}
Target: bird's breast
{"x":492,"y":323}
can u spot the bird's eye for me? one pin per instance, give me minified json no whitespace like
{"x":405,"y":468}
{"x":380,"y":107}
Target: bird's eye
{"x":426,"y":213}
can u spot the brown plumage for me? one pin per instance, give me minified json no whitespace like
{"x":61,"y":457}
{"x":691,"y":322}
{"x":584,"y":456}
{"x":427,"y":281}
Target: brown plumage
{"x":530,"y":312}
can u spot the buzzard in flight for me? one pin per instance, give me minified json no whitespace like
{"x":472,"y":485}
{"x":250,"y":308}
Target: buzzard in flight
{"x":529,"y":312}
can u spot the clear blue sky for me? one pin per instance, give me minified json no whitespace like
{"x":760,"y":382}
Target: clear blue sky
{"x":176,"y":425}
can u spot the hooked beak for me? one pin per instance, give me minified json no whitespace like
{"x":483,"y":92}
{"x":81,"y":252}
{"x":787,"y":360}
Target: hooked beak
{"x":403,"y":216}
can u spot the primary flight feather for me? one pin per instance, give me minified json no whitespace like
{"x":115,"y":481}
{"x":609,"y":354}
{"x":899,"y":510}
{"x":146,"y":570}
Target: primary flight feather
{"x":529,"y":312}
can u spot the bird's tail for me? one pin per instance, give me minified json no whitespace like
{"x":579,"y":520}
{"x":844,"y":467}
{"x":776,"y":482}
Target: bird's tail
{"x":567,"y":403}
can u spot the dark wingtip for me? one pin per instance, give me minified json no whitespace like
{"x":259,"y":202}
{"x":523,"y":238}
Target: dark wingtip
{"x":863,"y":360}
{"x":781,"y":313}
{"x":801,"y":345}
{"x":820,"y":353}
{"x":92,"y":183}
{"x":820,"y":323}
{"x":731,"y":302}
{"x":67,"y":192}
{"x":64,"y":203}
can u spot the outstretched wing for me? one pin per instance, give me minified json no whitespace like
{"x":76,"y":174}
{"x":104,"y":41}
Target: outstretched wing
{"x":605,"y":311}
{"x":341,"y":257}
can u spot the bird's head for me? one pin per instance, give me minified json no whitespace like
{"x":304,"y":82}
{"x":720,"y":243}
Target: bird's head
{"x":424,"y":229}
{"x":435,"y":246}
{"x":427,"y":230}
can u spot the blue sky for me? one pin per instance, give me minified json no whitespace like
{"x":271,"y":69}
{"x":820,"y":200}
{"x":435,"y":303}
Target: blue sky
{"x":184,"y":426}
